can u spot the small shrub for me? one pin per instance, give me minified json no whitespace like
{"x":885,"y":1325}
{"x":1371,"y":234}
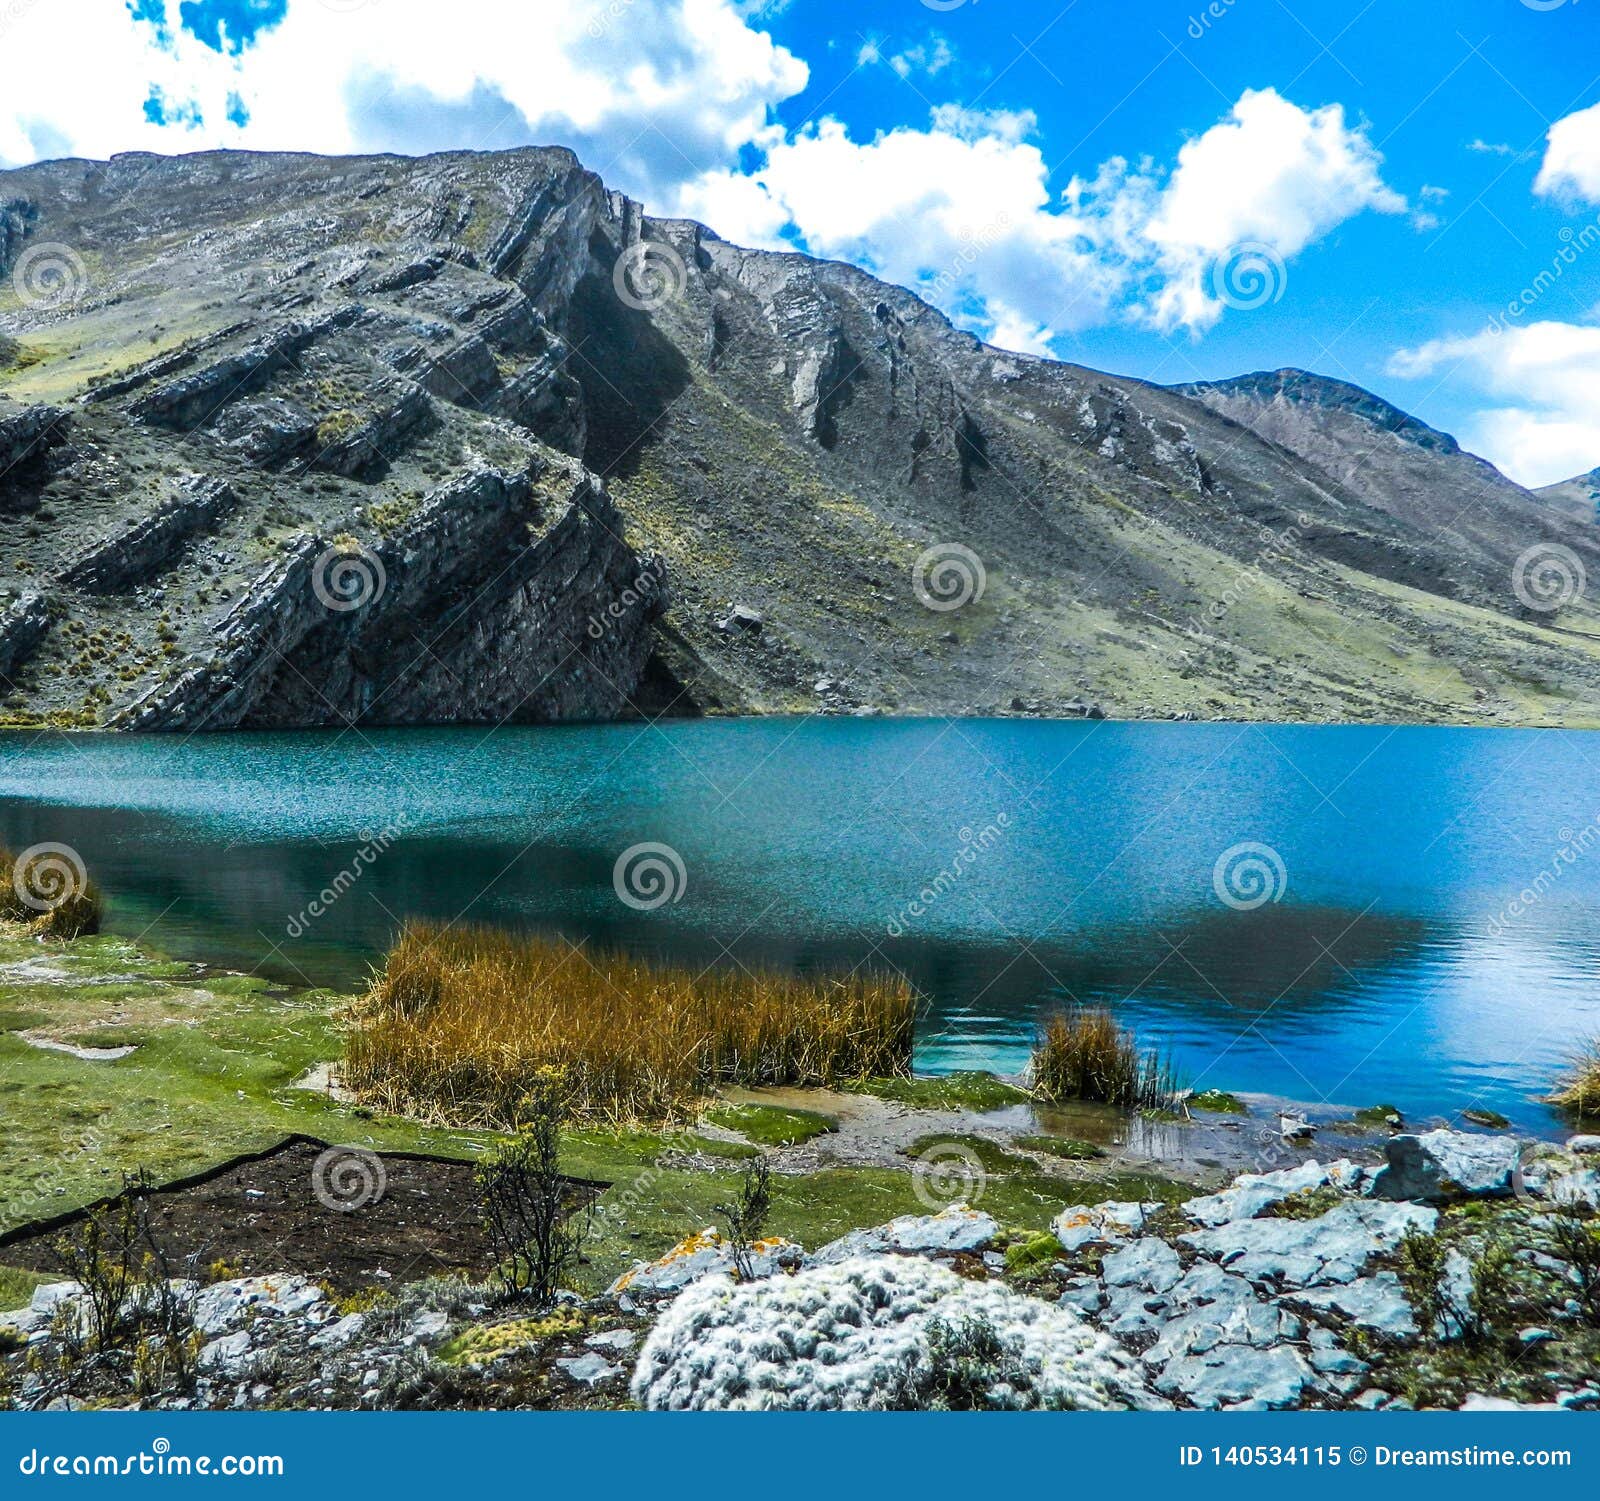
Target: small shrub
{"x":1422,"y":1274}
{"x":1575,"y":1238}
{"x":746,"y":1216}
{"x":968,"y":1367}
{"x":526,"y":1200}
{"x":1085,"y":1055}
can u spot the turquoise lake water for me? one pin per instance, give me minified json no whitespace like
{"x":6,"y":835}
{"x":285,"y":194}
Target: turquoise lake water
{"x":1414,"y":916}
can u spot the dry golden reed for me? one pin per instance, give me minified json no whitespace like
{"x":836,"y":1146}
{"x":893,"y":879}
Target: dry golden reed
{"x":1580,"y":1091}
{"x":462,"y":1018}
{"x":1085,"y":1055}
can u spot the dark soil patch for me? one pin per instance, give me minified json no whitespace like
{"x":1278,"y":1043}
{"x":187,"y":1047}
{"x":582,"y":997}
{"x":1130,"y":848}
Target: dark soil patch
{"x":264,"y":1215}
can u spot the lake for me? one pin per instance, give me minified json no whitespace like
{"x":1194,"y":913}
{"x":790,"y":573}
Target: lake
{"x":1336,"y":915}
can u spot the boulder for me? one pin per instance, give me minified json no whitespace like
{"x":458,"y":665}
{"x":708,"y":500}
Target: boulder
{"x":1101,"y":1224}
{"x":1442,"y":1166}
{"x":1583,"y":1145}
{"x":699,"y":1256}
{"x":957,"y":1228}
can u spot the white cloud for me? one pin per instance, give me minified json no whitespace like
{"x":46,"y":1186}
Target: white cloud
{"x":1543,"y":383}
{"x":1571,"y":166}
{"x":650,"y":92}
{"x":1270,"y":174}
{"x":963,"y":212}
{"x":670,"y":100}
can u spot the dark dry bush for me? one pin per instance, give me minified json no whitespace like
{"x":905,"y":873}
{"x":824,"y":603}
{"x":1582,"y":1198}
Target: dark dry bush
{"x":746,"y":1216}
{"x":1085,"y":1055}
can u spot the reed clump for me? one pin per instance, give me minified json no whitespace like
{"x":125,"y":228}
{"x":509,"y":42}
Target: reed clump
{"x":1083,"y":1054}
{"x":1580,"y":1090}
{"x":460,"y":1020}
{"x":48,"y":888}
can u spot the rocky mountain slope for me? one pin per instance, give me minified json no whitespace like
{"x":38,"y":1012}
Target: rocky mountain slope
{"x":292,"y":440}
{"x":1580,"y":495}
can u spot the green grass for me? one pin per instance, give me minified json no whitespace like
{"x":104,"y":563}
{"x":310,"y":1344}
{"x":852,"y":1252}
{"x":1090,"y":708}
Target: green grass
{"x":16,"y":1287}
{"x":214,"y":1076}
{"x":958,"y":1091}
{"x":772,"y":1125}
{"x":1060,"y":1146}
{"x":991,"y":1155}
{"x":1218,"y":1101}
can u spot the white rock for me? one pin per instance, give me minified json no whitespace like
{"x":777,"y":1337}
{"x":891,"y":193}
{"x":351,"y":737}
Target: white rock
{"x":48,"y":1296}
{"x":699,"y":1256}
{"x":341,"y":1332}
{"x":839,"y":1337}
{"x":1478,"y":1402}
{"x":1232,"y":1374}
{"x":1250,"y":1193}
{"x":1583,"y":1144}
{"x":1334,"y":1247}
{"x":226,"y":1357}
{"x":1101,"y":1224}
{"x":223,"y":1304}
{"x":1253,"y":1323}
{"x":618,"y":1341}
{"x":590,"y":1369}
{"x":1377,"y":1303}
{"x":1439,"y":1166}
{"x":1148,"y":1263}
{"x":957,"y":1228}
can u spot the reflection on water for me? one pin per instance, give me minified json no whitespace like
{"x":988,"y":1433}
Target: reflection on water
{"x":1392,"y":965}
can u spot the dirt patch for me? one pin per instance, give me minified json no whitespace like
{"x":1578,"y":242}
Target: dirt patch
{"x":266,"y":1215}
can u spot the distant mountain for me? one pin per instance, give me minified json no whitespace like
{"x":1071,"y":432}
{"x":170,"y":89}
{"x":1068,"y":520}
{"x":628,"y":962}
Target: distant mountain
{"x":470,"y":437}
{"x":1580,"y":496}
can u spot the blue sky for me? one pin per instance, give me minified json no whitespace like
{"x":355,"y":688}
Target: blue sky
{"x":1171,"y":190}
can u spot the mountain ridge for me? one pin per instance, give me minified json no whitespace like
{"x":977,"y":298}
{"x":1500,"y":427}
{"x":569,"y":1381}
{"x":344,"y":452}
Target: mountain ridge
{"x":765,"y":478}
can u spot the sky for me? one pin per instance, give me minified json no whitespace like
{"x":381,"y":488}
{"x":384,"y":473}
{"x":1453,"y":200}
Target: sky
{"x":1404,"y":194}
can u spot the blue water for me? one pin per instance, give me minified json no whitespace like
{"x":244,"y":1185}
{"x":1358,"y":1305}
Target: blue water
{"x":1386,"y":962}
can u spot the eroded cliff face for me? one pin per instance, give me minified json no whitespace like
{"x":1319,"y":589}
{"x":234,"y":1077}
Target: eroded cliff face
{"x":605,"y":464}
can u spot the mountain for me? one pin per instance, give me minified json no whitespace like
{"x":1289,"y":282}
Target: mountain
{"x":1580,"y":497}
{"x":291,"y":440}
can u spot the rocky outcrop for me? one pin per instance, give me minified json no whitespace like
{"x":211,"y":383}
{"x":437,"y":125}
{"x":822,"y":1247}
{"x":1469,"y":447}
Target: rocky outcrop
{"x":509,"y":596}
{"x":154,"y":543}
{"x":194,"y":399}
{"x":28,"y":434}
{"x":1441,"y":1167}
{"x":22,"y":627}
